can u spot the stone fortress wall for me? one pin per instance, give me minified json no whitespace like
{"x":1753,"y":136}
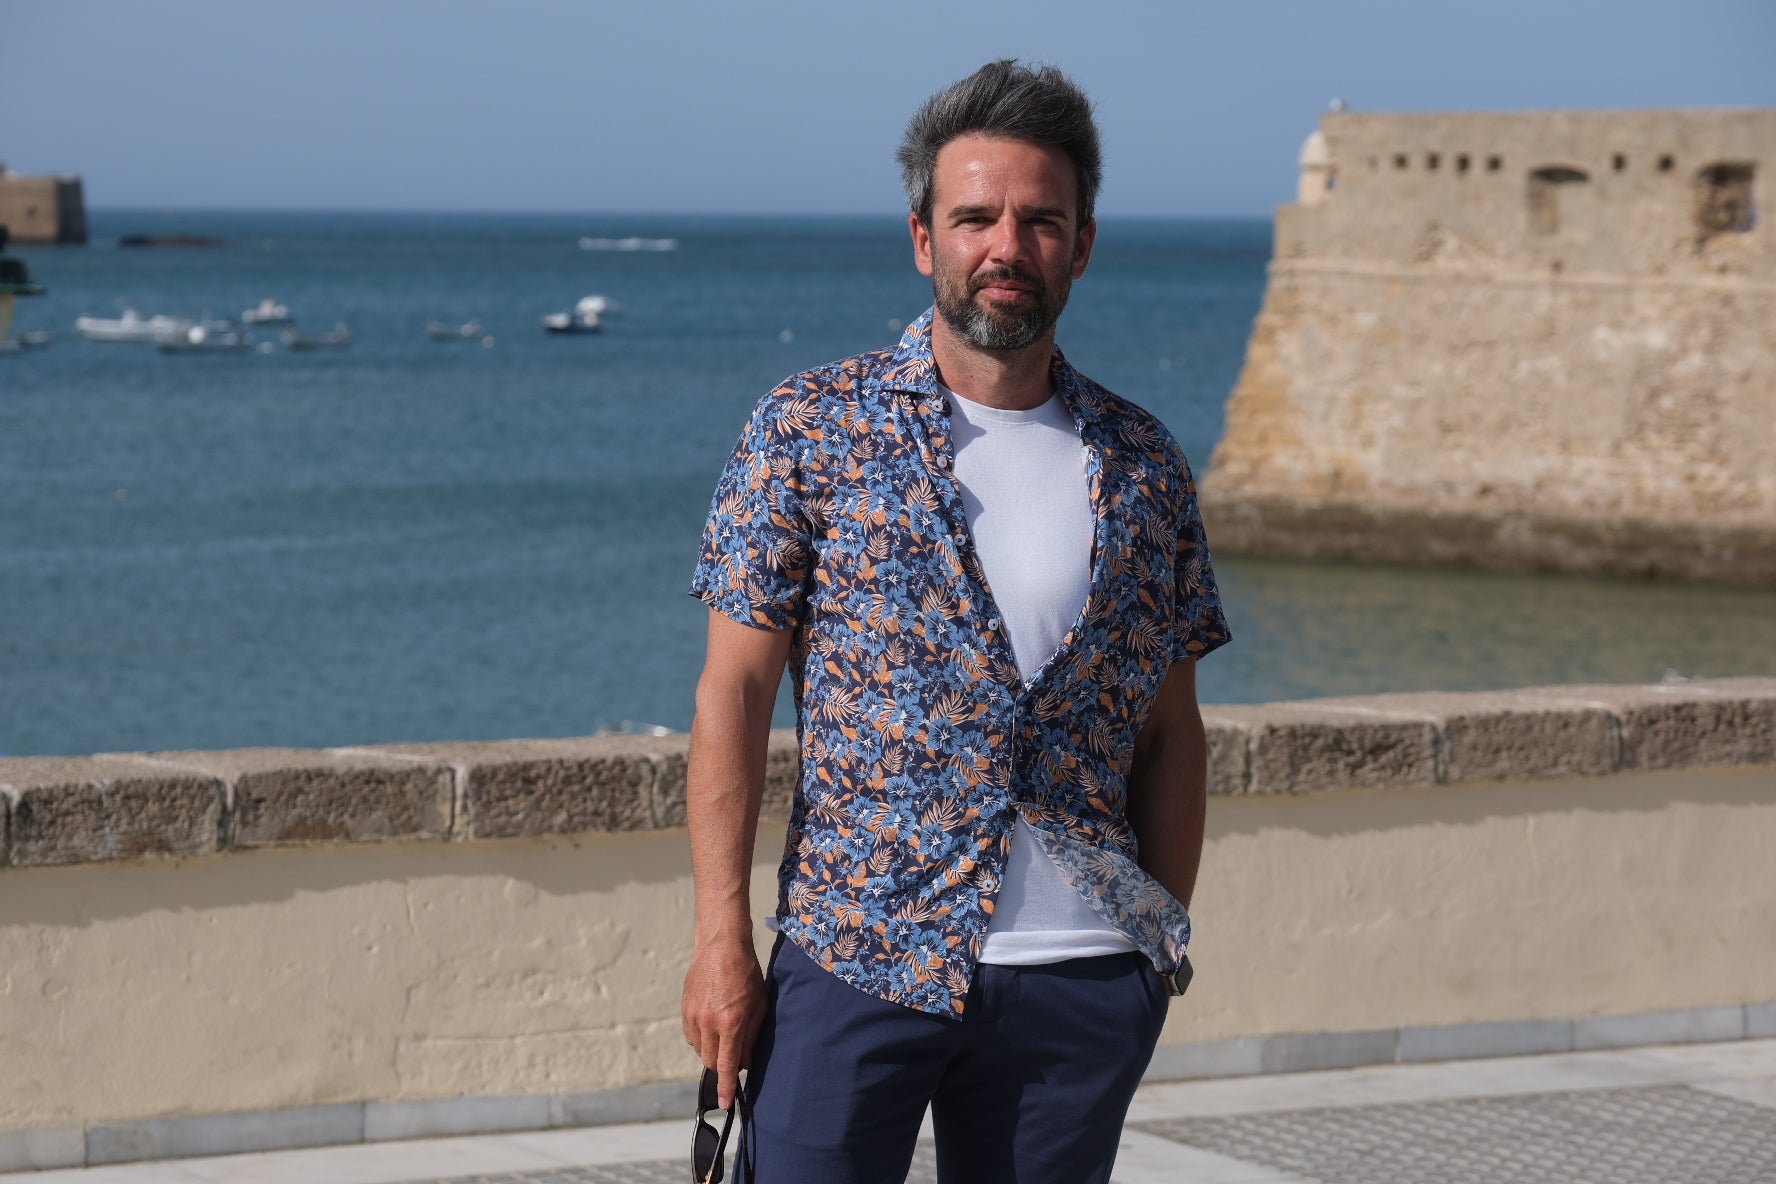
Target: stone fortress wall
{"x":1541,"y":341}
{"x":209,"y":952}
{"x":42,"y":209}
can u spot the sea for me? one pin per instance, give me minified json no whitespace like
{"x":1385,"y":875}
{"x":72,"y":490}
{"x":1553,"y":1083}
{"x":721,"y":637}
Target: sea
{"x":491,"y":537}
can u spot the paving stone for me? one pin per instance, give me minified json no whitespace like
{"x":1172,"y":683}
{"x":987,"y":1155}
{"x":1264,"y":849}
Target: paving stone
{"x":670,"y":756}
{"x":84,"y":809}
{"x":1230,"y":740}
{"x":650,"y":1171}
{"x":1684,"y":724}
{"x":1498,"y":735}
{"x":1612,"y":1136}
{"x":1301,"y":747}
{"x":525,"y":788}
{"x":280,"y":796}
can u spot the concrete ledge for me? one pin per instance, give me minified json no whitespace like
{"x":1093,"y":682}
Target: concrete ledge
{"x":371,"y":1122}
{"x":125,"y":806}
{"x":1699,"y":1025}
{"x":454,"y":1116}
{"x":225,"y":1134}
{"x":91,"y":809}
{"x":1462,"y":1042}
{"x":1329,"y":1050}
{"x":36,"y":1150}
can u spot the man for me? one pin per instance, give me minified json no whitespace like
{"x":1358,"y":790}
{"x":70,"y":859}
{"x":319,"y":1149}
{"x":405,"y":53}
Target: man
{"x":988,"y":578}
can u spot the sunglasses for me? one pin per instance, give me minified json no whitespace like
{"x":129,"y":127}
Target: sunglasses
{"x":708,"y":1145}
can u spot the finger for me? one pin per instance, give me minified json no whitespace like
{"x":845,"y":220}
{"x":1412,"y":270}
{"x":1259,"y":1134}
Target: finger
{"x":727,"y":1069}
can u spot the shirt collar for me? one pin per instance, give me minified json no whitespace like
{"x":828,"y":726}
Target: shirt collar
{"x":912,"y":369}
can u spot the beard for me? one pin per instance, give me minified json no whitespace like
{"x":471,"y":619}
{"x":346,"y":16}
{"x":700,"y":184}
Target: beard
{"x":991,"y":326}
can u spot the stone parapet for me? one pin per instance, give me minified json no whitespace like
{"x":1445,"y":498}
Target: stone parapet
{"x":134,"y":806}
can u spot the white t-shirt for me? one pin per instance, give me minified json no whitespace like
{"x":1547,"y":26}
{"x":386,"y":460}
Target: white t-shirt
{"x":1022,"y":475}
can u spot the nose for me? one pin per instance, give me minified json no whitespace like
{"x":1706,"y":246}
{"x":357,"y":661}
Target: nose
{"x":1006,"y":245}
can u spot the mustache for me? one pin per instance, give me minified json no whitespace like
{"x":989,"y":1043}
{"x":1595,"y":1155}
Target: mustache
{"x":1002,"y":274}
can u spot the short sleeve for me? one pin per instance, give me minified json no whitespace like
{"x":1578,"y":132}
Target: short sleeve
{"x":1198,"y":626}
{"x":753,"y":566}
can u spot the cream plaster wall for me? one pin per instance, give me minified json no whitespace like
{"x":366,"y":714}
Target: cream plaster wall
{"x":291,"y":977}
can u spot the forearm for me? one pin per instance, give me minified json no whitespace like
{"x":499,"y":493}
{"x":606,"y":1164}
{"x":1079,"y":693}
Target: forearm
{"x":724,"y":783}
{"x":1168,"y":797}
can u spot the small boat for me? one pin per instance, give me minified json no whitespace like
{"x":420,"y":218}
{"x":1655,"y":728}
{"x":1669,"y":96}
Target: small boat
{"x":572,"y":322}
{"x":36,"y":339}
{"x":468,"y":331}
{"x":131,"y":326}
{"x":208,"y":337}
{"x":269,"y":312}
{"x":585,"y":317}
{"x":602,"y":306}
{"x":339,"y":338}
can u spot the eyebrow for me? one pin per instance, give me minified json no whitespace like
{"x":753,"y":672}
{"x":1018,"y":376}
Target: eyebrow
{"x":1033,"y":211}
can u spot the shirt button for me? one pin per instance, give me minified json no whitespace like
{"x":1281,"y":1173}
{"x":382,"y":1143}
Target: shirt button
{"x":993,"y":624}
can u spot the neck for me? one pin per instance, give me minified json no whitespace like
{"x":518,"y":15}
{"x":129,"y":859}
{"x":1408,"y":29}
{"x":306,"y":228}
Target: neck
{"x":1011,"y":380}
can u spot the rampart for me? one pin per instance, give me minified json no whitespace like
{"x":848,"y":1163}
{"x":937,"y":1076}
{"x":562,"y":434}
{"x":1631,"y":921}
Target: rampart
{"x":42,"y":209}
{"x":1536,"y":341}
{"x":207,"y":952}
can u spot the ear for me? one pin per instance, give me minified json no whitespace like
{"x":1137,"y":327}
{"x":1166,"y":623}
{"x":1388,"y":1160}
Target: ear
{"x":921,"y":244}
{"x":1082,"y":251}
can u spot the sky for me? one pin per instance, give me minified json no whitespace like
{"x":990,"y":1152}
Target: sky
{"x":780,"y":106}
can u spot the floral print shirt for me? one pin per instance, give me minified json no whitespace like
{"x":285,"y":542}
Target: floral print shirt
{"x":838,"y":517}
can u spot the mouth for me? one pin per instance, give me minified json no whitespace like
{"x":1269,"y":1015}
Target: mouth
{"x":1006,"y":291}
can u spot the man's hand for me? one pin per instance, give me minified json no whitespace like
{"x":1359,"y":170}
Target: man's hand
{"x":724,"y":1004}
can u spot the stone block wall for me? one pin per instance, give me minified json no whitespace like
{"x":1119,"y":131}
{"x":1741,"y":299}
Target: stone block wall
{"x":1460,"y":362}
{"x":224,"y":951}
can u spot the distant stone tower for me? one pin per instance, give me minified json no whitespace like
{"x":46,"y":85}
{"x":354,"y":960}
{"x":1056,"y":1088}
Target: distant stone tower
{"x":42,"y":209}
{"x":1531,"y":341}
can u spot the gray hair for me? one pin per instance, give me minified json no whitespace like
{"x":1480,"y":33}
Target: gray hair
{"x":1005,"y":99}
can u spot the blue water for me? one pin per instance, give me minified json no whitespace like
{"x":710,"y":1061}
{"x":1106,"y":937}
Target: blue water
{"x":411,"y":540}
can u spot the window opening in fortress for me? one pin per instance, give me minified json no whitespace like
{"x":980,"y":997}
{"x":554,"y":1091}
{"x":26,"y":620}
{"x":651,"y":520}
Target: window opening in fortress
{"x":1400,"y":160}
{"x":1619,"y":162}
{"x":1726,"y":202}
{"x":1432,"y":160}
{"x":1666,"y":163}
{"x":1461,"y":163}
{"x":1545,"y":185}
{"x":1494,"y":163}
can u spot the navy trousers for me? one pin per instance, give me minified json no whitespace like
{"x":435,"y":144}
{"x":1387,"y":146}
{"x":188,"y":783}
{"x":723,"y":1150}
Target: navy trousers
{"x":1031,"y":1086}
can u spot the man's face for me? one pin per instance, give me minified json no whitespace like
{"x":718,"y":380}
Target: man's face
{"x":1004,"y":244}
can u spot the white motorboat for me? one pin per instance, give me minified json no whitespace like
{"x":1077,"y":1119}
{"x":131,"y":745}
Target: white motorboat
{"x":132,"y":326}
{"x":269,"y":312}
{"x":586,"y":316}
{"x":573,"y":322}
{"x":339,"y":338}
{"x":599,"y":306}
{"x":468,"y":331}
{"x":209,"y":337}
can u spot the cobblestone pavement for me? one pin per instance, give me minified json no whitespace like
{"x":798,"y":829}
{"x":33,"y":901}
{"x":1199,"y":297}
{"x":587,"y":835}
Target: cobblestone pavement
{"x":1652,"y":1135}
{"x":1680,"y":1114}
{"x":1656,"y":1135}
